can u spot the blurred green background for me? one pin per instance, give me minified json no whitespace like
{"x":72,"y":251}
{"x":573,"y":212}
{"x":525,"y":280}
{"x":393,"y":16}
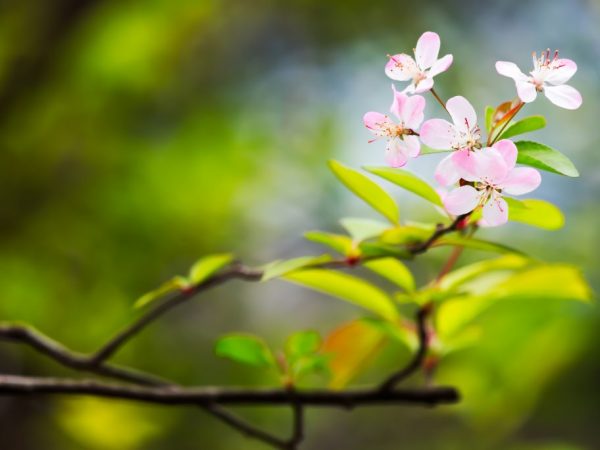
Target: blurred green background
{"x":136,"y":136}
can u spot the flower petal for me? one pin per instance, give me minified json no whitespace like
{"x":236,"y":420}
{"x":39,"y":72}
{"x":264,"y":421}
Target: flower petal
{"x":438,"y":133}
{"x":486,"y":165}
{"x":411,"y":113}
{"x":461,"y":200}
{"x":511,"y":70}
{"x":446,"y":172}
{"x":398,"y":102}
{"x":462,"y":113}
{"x":563,"y":73}
{"x":411,"y":146}
{"x":564,"y":96}
{"x":521,"y":181}
{"x":423,"y":86}
{"x":428,"y":47}
{"x":401,"y":67}
{"x":509,"y":152}
{"x":526,"y":91}
{"x":395,"y":154}
{"x":441,"y":65}
{"x":378,"y":123}
{"x":495,"y":212}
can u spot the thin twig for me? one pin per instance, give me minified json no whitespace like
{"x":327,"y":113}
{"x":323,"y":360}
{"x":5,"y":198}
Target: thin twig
{"x":415,"y":363}
{"x":440,"y":101}
{"x":174,"y":395}
{"x":113,"y":344}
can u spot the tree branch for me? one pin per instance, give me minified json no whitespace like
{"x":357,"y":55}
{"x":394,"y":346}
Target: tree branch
{"x":157,"y":390}
{"x":84,"y":363}
{"x":175,"y":395}
{"x":418,"y":358}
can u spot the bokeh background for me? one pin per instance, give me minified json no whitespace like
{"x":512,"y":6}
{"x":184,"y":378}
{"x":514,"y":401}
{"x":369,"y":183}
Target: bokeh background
{"x":136,"y":136}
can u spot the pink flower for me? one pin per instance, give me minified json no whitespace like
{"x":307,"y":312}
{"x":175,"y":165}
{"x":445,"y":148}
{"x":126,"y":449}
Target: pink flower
{"x":402,"y":137}
{"x":548,"y":76}
{"x":463,"y":135}
{"x":493,"y":173}
{"x":423,"y":68}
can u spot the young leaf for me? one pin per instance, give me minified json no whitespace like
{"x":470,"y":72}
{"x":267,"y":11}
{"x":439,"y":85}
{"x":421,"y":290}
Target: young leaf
{"x":544,"y":282}
{"x":467,"y":273}
{"x":381,"y":250}
{"x":405,"y":235}
{"x":338,"y":242}
{"x":393,"y":270}
{"x":302,"y":343}
{"x":537,"y":213}
{"x":522,"y":126}
{"x":489,"y":116}
{"x":543,"y":157}
{"x":207,"y":266}
{"x":351,"y":346}
{"x":367,"y":190}
{"x":174,"y":284}
{"x":279,"y":268}
{"x":408,"y":181}
{"x":475,"y":244}
{"x":246,"y":349}
{"x":348,"y":288}
{"x":361,"y":229}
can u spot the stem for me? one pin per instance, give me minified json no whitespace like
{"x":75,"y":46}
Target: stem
{"x":440,"y":101}
{"x":417,"y":360}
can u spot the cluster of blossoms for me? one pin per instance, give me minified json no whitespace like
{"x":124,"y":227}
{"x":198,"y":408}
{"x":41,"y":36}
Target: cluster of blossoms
{"x":484,"y":171}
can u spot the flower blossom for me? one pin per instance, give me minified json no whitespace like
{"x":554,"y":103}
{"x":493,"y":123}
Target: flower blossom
{"x":403,"y":142}
{"x":549,"y":76}
{"x":422,"y":68}
{"x":463,"y":136}
{"x":493,"y":173}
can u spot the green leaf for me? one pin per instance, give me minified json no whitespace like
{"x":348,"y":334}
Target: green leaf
{"x":543,"y":157}
{"x":174,"y":284}
{"x":522,"y":126}
{"x":207,"y":266}
{"x":381,"y":249}
{"x":489,"y":117}
{"x":279,"y":268}
{"x":361,"y":229}
{"x":544,"y":282}
{"x":246,"y":349}
{"x":467,"y":273}
{"x":302,"y":343}
{"x":408,"y":181}
{"x":348,"y":288}
{"x":393,"y":270}
{"x":367,"y":190}
{"x":541,"y":282}
{"x":537,"y":213}
{"x":475,"y":244}
{"x":338,"y":242}
{"x":406,"y":235}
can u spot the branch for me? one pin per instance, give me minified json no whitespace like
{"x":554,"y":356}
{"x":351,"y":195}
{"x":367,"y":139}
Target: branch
{"x":83,"y":363}
{"x":175,"y":395}
{"x":236,"y":271}
{"x":438,"y":233}
{"x":418,"y":358}
{"x":113,"y":344}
